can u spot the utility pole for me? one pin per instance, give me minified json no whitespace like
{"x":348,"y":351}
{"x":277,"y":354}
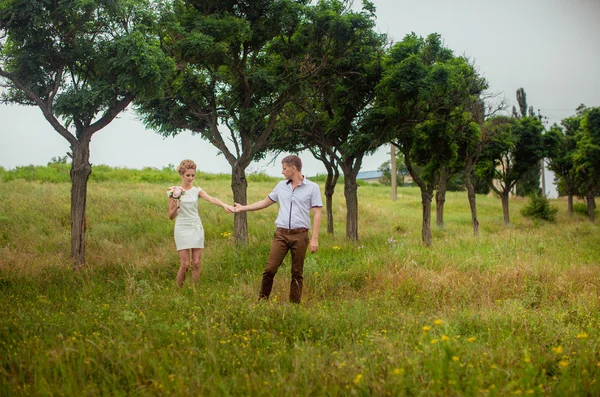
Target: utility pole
{"x":393,"y":172}
{"x":543,"y":179}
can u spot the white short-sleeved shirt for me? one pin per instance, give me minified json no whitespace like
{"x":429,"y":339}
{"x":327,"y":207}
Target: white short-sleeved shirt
{"x":295,"y":204}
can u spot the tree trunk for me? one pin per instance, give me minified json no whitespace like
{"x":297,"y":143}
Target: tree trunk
{"x":591,"y":203}
{"x":440,"y":199}
{"x":351,"y":194}
{"x":332,"y":177}
{"x":472,"y":201}
{"x":426,"y":194}
{"x":239,"y":187}
{"x":426,"y":229}
{"x":81,"y":170}
{"x":393,"y":172}
{"x":505,"y":196}
{"x":570,"y":204}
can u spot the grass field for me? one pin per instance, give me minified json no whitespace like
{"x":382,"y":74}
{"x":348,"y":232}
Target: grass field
{"x":515,"y":311}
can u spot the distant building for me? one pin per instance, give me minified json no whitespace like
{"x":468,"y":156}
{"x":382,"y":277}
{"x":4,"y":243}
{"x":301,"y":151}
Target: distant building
{"x":369,"y":176}
{"x":373,"y":177}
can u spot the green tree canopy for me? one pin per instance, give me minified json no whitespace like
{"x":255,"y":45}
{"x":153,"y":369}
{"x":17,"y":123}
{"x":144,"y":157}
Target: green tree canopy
{"x":238,"y":64}
{"x":587,"y":156}
{"x":81,"y":63}
{"x":421,"y":98}
{"x":515,"y":145}
{"x":328,"y":117}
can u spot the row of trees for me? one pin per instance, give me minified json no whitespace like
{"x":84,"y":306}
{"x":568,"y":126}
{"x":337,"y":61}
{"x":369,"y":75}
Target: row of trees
{"x":259,"y":77}
{"x":574,"y":156}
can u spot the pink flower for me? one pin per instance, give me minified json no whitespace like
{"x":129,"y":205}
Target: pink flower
{"x":175,"y":192}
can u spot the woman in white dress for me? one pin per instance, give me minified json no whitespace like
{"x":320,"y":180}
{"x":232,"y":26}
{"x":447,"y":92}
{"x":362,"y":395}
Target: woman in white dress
{"x":189,"y":233}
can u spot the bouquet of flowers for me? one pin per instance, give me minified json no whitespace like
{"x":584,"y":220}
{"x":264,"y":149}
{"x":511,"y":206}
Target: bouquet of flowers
{"x":175,"y":192}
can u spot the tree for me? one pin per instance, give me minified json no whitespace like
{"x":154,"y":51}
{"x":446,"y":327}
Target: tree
{"x":419,"y":98}
{"x":337,"y":98}
{"x":561,"y":145}
{"x":81,"y":63}
{"x":587,"y":156}
{"x":238,"y":65}
{"x":469,"y":150}
{"x":529,"y":183}
{"x":333,"y":174}
{"x":515,"y":146}
{"x":472,"y":139}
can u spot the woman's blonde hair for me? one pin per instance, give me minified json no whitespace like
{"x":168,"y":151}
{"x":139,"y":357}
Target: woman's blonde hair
{"x":186,"y":165}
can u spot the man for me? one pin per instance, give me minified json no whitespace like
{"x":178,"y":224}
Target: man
{"x":296,"y":196}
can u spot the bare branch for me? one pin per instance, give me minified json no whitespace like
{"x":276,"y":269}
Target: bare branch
{"x":45,"y":107}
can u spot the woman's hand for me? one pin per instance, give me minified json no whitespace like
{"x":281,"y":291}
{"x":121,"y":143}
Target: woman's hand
{"x":173,"y":208}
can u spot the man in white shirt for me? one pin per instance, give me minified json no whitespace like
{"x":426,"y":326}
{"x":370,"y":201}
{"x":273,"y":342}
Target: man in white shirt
{"x":296,"y":196}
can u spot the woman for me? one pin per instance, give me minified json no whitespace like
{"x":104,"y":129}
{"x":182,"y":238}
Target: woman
{"x":189,"y":233}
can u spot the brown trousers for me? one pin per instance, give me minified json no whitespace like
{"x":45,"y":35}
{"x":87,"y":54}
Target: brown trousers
{"x":284,"y":240}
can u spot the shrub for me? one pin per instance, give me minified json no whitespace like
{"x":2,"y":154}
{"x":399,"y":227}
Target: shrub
{"x":580,"y":208}
{"x":539,"y":208}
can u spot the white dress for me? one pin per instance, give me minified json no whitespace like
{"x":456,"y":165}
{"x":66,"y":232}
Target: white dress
{"x":189,"y":232}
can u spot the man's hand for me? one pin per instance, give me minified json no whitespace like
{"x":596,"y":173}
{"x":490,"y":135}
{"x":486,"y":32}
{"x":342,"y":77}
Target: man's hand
{"x":238,"y":208}
{"x":314,"y":245}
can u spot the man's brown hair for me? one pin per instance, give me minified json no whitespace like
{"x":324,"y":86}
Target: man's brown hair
{"x":294,"y":160}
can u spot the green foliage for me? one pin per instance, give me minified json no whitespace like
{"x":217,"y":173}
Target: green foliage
{"x":80,"y":57}
{"x":238,"y":65}
{"x":480,"y":184}
{"x":539,"y":208}
{"x":401,"y":171}
{"x":419,"y":73}
{"x":456,"y":183}
{"x":587,"y":155}
{"x":384,"y":316}
{"x":515,"y":147}
{"x":561,"y":144}
{"x":529,"y":184}
{"x":580,"y":208}
{"x":58,"y":172}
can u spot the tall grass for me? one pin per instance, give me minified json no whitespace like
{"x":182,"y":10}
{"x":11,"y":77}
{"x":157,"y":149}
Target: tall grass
{"x":513,"y":311}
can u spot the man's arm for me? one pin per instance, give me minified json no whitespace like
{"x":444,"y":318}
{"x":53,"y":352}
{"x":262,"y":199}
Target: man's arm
{"x":314,"y":241}
{"x":259,"y":205}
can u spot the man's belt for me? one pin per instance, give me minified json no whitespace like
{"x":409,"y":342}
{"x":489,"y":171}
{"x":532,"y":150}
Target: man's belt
{"x":292,"y":231}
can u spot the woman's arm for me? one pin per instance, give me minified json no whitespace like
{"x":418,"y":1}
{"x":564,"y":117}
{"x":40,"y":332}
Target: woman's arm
{"x":215,"y":201}
{"x":173,"y":208}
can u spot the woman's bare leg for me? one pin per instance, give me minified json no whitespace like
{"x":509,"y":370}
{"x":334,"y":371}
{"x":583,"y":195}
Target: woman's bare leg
{"x":184,"y":258}
{"x":196,"y":264}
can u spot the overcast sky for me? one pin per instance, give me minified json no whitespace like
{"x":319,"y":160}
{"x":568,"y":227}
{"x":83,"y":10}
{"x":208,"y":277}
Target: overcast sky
{"x":548,"y":47}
